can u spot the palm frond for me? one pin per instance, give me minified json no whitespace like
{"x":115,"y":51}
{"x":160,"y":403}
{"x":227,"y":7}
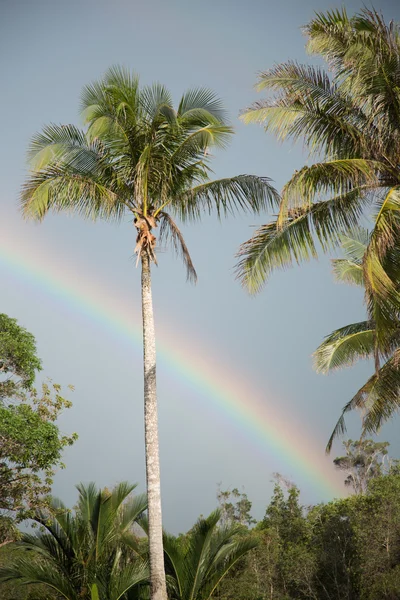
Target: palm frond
{"x":156,"y":100}
{"x":226,"y":560}
{"x":170,"y":230}
{"x":120,"y":493}
{"x":273,"y":247}
{"x":127,"y":577}
{"x":309,"y":105}
{"x":63,"y":189}
{"x":25,"y":571}
{"x":343,"y":347}
{"x":355,"y":243}
{"x":202,"y":99}
{"x":333,"y":178}
{"x":383,"y":237}
{"x":379,"y":398}
{"x":175,"y":565}
{"x":117,"y":94}
{"x":132,"y":511}
{"x":248,"y":193}
{"x":347,"y":271}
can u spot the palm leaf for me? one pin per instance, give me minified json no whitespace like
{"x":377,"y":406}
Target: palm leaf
{"x":169,"y":230}
{"x":346,"y":271}
{"x":337,"y":178}
{"x":379,"y":398}
{"x":127,"y":577}
{"x":343,"y":347}
{"x":385,"y":233}
{"x":226,"y":196}
{"x":200,"y":101}
{"x":274,"y":247}
{"x":25,"y":571}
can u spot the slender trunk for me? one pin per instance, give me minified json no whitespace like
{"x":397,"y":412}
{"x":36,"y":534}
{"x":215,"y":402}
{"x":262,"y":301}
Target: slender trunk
{"x":157,"y":572}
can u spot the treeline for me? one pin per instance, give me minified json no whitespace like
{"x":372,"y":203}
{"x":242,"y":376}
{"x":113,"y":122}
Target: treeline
{"x":347,"y":549}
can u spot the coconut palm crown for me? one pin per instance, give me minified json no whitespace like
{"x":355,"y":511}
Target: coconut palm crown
{"x":139,"y":156}
{"x":349,"y":120}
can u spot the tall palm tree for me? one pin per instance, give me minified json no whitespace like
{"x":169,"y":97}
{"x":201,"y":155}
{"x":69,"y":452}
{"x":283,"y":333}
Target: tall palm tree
{"x":90,"y":554}
{"x":196,"y":564}
{"x":140,"y":156}
{"x":349,"y":119}
{"x":374,"y":339}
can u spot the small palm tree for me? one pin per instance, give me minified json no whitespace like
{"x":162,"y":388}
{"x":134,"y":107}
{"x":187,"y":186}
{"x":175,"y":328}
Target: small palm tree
{"x":141,"y":157}
{"x":90,"y":554}
{"x":349,"y":120}
{"x":376,"y":338}
{"x":196,"y":564}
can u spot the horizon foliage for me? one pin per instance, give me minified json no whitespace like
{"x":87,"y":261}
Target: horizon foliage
{"x":31,"y":443}
{"x":346,"y":549}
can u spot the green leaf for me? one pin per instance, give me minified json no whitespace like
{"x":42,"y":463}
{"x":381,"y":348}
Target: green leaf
{"x":343,"y":347}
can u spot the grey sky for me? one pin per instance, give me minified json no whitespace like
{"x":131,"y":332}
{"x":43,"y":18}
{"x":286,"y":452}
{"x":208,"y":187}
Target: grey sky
{"x":48,"y":51}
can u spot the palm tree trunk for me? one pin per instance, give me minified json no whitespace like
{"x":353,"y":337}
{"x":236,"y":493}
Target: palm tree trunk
{"x":157,"y":572}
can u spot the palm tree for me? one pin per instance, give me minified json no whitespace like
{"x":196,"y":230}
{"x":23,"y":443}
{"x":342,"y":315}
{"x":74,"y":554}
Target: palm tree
{"x":196,"y":564}
{"x":140,"y":156}
{"x":90,"y":554}
{"x":375,"y":338}
{"x":349,"y":120}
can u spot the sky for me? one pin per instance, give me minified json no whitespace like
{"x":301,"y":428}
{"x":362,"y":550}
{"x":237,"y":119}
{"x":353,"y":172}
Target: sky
{"x":238,"y":397}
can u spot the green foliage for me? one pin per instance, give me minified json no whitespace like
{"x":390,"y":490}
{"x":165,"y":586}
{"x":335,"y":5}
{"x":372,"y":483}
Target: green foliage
{"x":378,"y":531}
{"x":337,"y":554}
{"x":283,"y":564}
{"x":349,"y":118}
{"x":140,"y":155}
{"x":18,"y":357}
{"x":31,"y":448}
{"x":364,"y":460}
{"x":378,"y":338}
{"x":235,"y":507}
{"x":30,"y":441}
{"x":88,"y":554}
{"x":345,"y":550}
{"x":198,"y":563}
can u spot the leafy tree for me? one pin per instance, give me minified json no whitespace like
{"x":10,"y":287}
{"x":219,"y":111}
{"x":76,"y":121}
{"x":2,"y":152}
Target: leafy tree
{"x":364,"y":460}
{"x":235,"y":507}
{"x":335,"y":543}
{"x":377,"y":525}
{"x":18,"y":357}
{"x":283,"y":565}
{"x":88,"y":554}
{"x":345,"y":550}
{"x":31,"y":444}
{"x":31,"y":448}
{"x":142,"y":157}
{"x":197,"y":563}
{"x":349,"y":119}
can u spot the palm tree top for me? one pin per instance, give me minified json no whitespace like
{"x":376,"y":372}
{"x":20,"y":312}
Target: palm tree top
{"x":139,"y":154}
{"x":92,"y":548}
{"x":349,"y":120}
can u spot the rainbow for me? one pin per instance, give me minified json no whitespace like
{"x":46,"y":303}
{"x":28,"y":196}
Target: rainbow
{"x":238,"y":404}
